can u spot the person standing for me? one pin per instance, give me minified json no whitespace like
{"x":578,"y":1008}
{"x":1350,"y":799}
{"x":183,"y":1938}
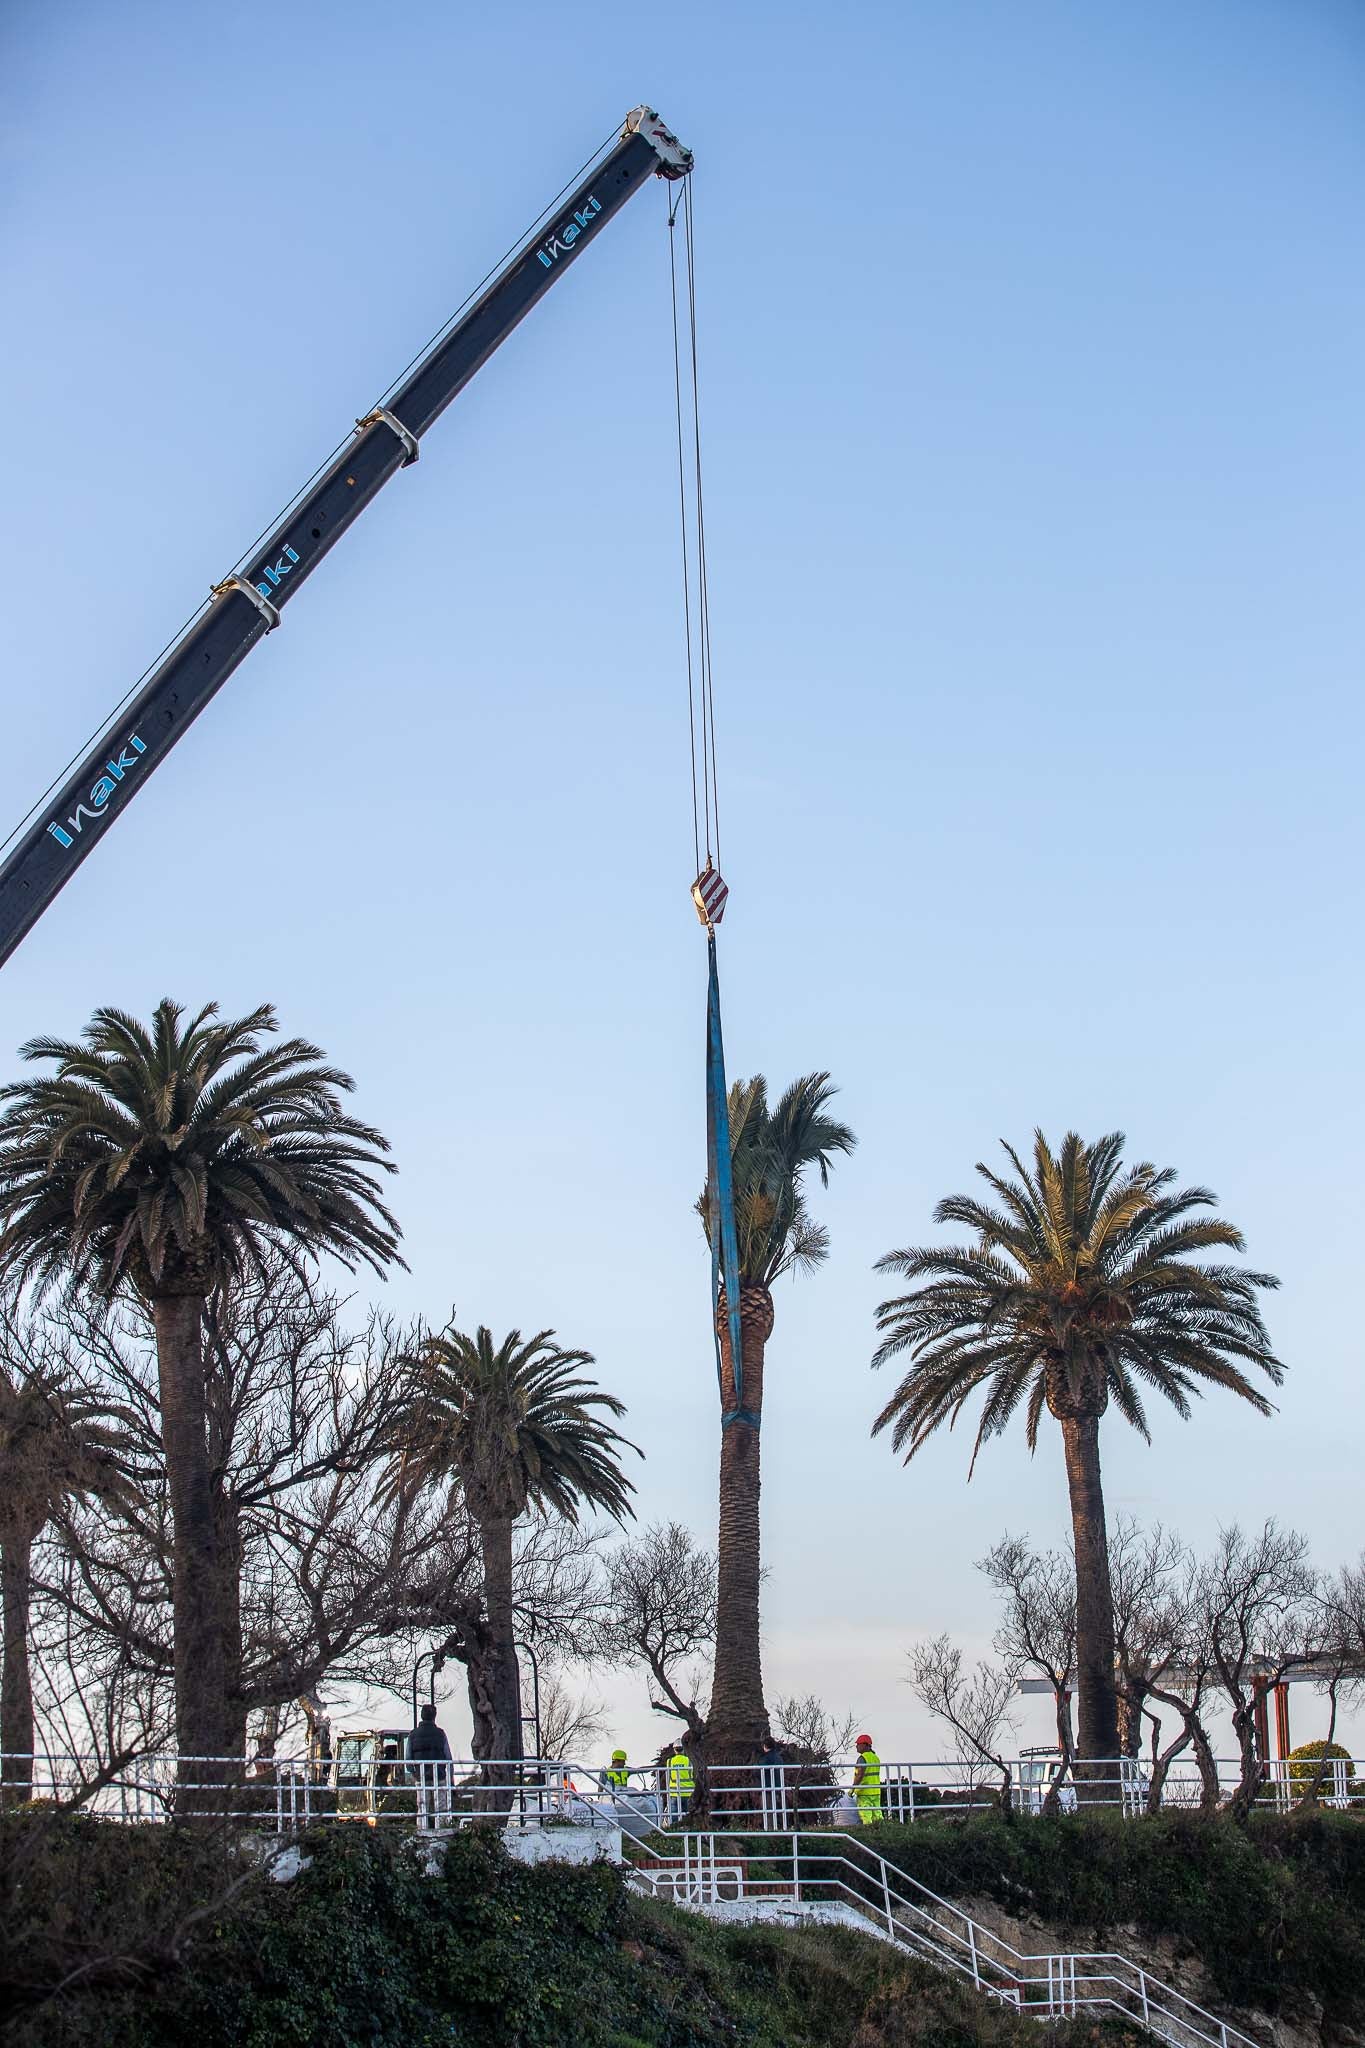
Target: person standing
{"x":429,"y":1751}
{"x":867,"y":1782}
{"x":616,"y":1777}
{"x":681,"y":1783}
{"x":773,"y":1779}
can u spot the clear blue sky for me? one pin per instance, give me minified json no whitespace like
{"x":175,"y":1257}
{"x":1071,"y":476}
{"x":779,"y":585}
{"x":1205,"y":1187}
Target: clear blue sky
{"x":1035,"y":440}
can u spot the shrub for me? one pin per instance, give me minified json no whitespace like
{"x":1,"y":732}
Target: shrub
{"x":1304,"y":1762}
{"x":1273,"y":1910}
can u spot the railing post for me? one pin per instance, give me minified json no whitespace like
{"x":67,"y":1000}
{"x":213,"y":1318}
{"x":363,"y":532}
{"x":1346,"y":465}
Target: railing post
{"x":971,"y":1942}
{"x":911,"y":1814}
{"x":796,"y":1865}
{"x":886,"y":1899}
{"x":1142,"y":1987}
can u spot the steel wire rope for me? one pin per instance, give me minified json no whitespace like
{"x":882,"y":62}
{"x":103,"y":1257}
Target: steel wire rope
{"x":107,"y":723}
{"x":696,"y":588}
{"x":682,"y":527}
{"x":703,"y":584}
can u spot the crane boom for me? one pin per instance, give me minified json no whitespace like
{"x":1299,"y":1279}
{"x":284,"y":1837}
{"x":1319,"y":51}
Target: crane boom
{"x":245,"y":607}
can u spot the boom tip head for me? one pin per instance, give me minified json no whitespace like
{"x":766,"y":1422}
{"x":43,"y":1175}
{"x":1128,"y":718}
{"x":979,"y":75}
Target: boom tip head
{"x":674,"y":160}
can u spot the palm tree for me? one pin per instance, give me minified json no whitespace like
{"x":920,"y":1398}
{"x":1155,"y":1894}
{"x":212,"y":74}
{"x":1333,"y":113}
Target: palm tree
{"x":771,"y":1153}
{"x":515,"y":1426}
{"x":57,"y":1446}
{"x":169,"y":1159}
{"x":1084,"y":1288}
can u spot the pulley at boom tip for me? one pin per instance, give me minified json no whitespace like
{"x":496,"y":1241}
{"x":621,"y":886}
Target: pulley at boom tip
{"x":675,"y":161}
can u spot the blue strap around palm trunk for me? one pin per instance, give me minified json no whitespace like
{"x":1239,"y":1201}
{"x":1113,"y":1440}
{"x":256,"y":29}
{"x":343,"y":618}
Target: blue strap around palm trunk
{"x":720,"y":1197}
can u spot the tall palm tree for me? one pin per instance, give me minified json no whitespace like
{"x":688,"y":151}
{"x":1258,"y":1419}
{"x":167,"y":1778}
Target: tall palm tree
{"x":771,"y":1152}
{"x":521,"y":1431}
{"x":57,"y":1446}
{"x":166,"y":1159}
{"x":1085,"y":1287}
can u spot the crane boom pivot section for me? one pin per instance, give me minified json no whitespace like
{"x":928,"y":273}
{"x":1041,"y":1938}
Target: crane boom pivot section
{"x":245,"y":607}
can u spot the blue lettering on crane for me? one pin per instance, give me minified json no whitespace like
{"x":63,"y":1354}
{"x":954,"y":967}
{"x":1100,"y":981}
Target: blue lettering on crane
{"x":92,"y":808}
{"x":562,"y":240}
{"x":274,"y":576}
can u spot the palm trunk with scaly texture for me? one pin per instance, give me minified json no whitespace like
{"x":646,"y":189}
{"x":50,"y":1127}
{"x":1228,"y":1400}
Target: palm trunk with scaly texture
{"x":228,"y":1607}
{"x":1097,"y":1731}
{"x":504,"y":1675}
{"x":16,"y":1685}
{"x":200,"y":1673}
{"x":737,"y":1724}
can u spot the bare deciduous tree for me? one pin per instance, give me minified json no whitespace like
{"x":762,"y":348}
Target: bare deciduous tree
{"x":570,"y":1722}
{"x":1253,"y":1601}
{"x":661,"y":1613}
{"x":1144,"y":1568}
{"x":326,"y":1576}
{"x":976,"y":1704}
{"x":1037,"y":1629}
{"x":805,"y":1723}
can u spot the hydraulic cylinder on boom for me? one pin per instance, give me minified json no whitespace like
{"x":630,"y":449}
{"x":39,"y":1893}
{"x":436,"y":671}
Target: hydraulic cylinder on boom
{"x":247,"y":605}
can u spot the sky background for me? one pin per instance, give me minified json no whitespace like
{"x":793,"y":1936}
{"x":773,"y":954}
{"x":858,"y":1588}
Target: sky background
{"x":1034,"y":440}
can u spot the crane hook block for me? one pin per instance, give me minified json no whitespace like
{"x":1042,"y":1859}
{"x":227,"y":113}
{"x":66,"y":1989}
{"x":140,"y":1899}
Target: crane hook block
{"x":709,"y":893}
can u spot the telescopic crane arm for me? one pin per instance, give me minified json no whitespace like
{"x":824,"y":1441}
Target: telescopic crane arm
{"x":246,"y":607}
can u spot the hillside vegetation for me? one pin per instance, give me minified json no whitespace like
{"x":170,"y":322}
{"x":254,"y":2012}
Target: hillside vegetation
{"x":363,"y":1950}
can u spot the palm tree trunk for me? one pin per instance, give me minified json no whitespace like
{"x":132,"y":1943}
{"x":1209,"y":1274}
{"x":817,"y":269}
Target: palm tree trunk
{"x":200,"y":1675}
{"x":737,"y":1723}
{"x":228,"y":1607}
{"x":1097,"y":1733}
{"x":504,"y":1674}
{"x":16,"y":1684}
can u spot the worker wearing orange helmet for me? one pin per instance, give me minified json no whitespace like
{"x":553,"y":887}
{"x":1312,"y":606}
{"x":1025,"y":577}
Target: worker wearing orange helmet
{"x":867,"y":1782}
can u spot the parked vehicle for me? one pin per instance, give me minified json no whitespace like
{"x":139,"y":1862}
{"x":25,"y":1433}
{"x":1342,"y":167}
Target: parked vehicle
{"x":1039,"y":1771}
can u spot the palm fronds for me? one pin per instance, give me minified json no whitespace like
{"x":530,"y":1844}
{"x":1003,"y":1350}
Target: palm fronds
{"x":1088,"y":1283}
{"x":517,"y":1423}
{"x":771,"y":1153}
{"x":176,"y":1155}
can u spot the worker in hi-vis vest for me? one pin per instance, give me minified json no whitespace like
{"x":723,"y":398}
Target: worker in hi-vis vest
{"x":616,"y":1776}
{"x":681,"y":1783}
{"x":867,"y":1781}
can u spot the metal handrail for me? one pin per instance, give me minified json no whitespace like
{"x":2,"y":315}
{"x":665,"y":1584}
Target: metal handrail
{"x":1069,"y":1980}
{"x":285,"y":1792}
{"x":771,"y":1798}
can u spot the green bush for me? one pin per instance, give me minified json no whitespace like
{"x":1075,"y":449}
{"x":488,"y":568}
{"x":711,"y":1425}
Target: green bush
{"x":183,"y":1939}
{"x":193,"y":1943}
{"x":1304,"y":1761}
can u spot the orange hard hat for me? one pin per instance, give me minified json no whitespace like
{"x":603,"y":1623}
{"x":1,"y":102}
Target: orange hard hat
{"x":863,"y":1742}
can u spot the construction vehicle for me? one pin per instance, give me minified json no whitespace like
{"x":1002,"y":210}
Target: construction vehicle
{"x":71,"y":818}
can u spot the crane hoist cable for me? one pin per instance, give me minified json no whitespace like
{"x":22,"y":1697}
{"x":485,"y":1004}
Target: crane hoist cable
{"x":709,"y":891}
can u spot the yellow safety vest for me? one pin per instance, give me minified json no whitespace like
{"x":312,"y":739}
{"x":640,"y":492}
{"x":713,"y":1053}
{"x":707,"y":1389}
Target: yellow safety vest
{"x":680,"y":1779}
{"x":618,"y":1774}
{"x":869,"y":1793}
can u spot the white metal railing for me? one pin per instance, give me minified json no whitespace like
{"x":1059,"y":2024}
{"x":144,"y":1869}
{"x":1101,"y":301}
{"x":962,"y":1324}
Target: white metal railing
{"x":806,"y":1863}
{"x":287,"y":1794}
{"x":363,"y":1782}
{"x":906,"y":1913}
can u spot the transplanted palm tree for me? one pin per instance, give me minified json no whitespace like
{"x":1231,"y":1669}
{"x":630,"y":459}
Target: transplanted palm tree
{"x":167,"y":1159}
{"x":57,"y":1446}
{"x":522,"y":1431}
{"x":771,"y":1151}
{"x":1085,"y":1287}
